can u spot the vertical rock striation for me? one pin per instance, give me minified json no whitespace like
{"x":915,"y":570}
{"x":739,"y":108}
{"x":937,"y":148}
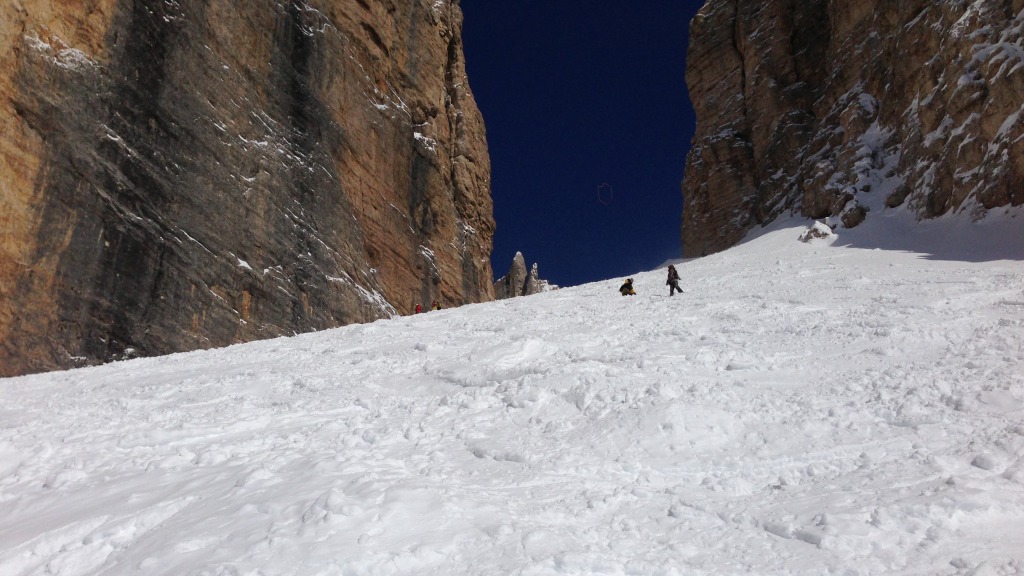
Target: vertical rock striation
{"x":836,"y":108}
{"x":188,"y":174}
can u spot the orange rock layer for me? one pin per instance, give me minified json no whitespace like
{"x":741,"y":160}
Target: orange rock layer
{"x":190,"y":174}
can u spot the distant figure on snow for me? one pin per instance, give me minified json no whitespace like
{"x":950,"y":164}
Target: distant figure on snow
{"x":627,"y":288}
{"x":419,"y":308}
{"x":435,"y":305}
{"x":673,"y":281}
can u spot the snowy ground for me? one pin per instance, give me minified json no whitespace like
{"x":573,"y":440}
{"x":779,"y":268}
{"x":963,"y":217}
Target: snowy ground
{"x":825,"y":408}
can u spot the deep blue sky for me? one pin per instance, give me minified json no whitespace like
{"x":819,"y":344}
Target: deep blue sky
{"x":576,"y":94}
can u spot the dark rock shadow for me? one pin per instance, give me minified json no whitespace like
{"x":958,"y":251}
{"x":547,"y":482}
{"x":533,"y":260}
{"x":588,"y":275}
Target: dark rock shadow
{"x":998,"y":236}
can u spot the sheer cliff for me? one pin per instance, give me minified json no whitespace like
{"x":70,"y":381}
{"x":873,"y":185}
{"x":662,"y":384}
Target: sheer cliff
{"x":841,"y":109}
{"x":184,"y":174}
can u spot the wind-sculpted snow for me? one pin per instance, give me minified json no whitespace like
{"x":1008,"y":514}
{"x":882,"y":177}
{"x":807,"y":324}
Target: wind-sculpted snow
{"x":802,"y":408}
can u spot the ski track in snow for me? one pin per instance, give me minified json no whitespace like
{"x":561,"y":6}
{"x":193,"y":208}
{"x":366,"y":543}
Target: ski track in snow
{"x":800,"y":409}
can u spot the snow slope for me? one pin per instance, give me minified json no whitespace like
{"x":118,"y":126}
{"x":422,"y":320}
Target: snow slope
{"x":823,"y":408}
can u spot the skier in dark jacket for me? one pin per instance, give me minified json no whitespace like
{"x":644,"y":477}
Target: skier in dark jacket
{"x":673,"y":281}
{"x":627,"y":288}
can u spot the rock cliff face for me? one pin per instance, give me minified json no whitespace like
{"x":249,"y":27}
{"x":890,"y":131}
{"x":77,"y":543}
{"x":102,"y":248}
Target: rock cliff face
{"x":841,"y":108}
{"x":184,"y":174}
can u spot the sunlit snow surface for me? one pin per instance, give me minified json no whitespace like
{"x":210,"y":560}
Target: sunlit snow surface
{"x":850,"y":406}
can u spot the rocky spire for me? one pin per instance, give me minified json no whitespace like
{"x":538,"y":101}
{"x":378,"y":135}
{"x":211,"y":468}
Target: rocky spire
{"x":520,"y":283}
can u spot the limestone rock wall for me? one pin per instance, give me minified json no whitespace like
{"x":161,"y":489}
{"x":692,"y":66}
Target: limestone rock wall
{"x":841,"y":108}
{"x":188,"y":174}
